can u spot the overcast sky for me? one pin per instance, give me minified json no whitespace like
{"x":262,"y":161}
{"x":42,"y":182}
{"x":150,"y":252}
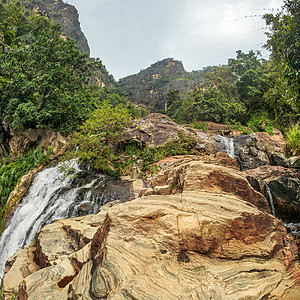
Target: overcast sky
{"x":130,"y":35}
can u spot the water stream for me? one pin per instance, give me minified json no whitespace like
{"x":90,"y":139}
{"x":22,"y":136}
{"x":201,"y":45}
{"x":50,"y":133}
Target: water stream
{"x":225,"y":144}
{"x":270,"y":199}
{"x":52,"y":195}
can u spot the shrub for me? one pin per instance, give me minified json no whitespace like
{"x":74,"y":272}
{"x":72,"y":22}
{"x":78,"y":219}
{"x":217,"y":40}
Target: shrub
{"x":199,"y":125}
{"x":260,"y":122}
{"x":293,"y":140}
{"x":98,"y":137}
{"x":181,"y":146}
{"x":235,"y":125}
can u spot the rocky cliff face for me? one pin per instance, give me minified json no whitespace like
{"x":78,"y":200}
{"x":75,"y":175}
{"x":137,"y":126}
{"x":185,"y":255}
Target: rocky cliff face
{"x":62,"y":13}
{"x":195,"y":239}
{"x":151,"y":86}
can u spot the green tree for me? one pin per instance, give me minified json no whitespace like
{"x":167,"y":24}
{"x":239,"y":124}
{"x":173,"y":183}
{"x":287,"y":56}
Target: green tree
{"x":99,"y":136}
{"x":250,"y":82}
{"x":284,"y":43}
{"x":216,"y":99}
{"x":43,"y":78}
{"x":243,"y":62}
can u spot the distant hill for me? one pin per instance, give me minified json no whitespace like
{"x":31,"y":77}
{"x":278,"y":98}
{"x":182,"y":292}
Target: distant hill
{"x":150,"y":87}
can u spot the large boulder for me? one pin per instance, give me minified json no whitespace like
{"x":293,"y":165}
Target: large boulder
{"x":157,"y":129}
{"x":259,"y":149}
{"x":203,"y":238}
{"x":38,"y":138}
{"x":216,"y":173}
{"x":18,"y":192}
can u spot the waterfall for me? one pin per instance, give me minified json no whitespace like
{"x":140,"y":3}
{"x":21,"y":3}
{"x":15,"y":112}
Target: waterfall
{"x":51,"y":196}
{"x":225,"y":144}
{"x":270,"y":199}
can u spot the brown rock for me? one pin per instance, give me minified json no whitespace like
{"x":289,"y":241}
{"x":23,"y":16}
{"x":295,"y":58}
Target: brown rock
{"x":215,"y":245}
{"x":38,"y":138}
{"x":205,"y":240}
{"x":19,"y":191}
{"x":18,"y":267}
{"x":271,"y":143}
{"x":216,"y":173}
{"x":157,"y":129}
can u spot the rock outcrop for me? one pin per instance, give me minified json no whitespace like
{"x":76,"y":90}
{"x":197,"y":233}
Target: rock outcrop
{"x":151,"y":86}
{"x":259,"y":149}
{"x":17,"y":194}
{"x":64,"y":14}
{"x":36,"y":139}
{"x":157,"y":129}
{"x":202,"y":239}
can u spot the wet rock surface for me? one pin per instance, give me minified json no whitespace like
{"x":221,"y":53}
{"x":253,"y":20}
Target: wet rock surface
{"x":284,"y":184}
{"x":200,"y":240}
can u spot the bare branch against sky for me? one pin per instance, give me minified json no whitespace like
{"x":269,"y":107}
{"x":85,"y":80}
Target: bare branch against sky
{"x":128,"y":35}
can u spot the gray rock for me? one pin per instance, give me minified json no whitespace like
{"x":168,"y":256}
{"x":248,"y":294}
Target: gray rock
{"x":278,"y":159}
{"x":294,"y":162}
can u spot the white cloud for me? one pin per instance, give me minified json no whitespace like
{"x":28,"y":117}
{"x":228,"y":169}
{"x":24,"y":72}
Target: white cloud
{"x":132,"y":34}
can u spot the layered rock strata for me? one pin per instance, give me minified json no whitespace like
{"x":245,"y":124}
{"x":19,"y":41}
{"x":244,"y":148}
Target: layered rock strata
{"x":199,"y":240}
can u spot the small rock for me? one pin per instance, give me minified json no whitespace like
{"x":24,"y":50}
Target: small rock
{"x":278,"y":159}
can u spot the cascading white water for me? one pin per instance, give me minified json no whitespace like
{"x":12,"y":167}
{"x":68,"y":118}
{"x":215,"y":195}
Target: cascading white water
{"x":270,"y":199}
{"x":225,"y":144}
{"x":49,"y":197}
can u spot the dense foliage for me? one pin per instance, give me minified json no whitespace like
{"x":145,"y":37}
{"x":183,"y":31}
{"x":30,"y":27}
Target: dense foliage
{"x":45,"y":82}
{"x":216,"y":99}
{"x":43,"y":78}
{"x":284,"y":43}
{"x":293,"y":140}
{"x":97,"y":138}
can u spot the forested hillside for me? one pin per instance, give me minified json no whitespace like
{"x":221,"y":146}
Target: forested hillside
{"x":46,"y":82}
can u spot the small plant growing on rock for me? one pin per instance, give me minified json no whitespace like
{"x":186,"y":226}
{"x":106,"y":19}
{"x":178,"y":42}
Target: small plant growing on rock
{"x":199,"y":125}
